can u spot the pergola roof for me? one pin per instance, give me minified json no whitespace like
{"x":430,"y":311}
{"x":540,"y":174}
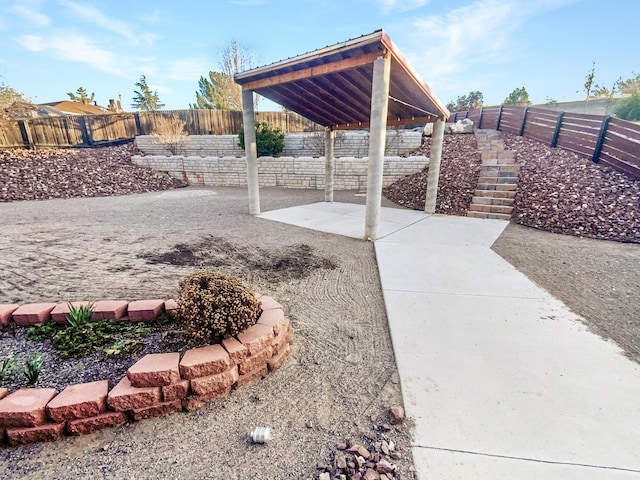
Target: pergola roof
{"x":332,"y":86}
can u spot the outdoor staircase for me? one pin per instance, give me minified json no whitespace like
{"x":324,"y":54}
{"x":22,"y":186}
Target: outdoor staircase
{"x":496,"y":189}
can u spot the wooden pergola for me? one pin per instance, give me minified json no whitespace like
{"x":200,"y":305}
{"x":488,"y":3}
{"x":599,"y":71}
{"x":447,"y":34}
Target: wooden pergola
{"x":361,"y":83}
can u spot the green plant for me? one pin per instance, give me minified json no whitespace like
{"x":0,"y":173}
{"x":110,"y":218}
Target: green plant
{"x":213,"y":306}
{"x":84,"y":339}
{"x":628,"y":108}
{"x":46,"y":331}
{"x":6,"y":367}
{"x":32,"y":369}
{"x":78,"y":316}
{"x":269,"y":139}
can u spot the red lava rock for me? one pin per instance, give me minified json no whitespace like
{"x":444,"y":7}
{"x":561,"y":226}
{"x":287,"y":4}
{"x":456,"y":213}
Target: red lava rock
{"x":97,"y":172}
{"x":396,"y":415}
{"x":384,"y":467}
{"x":79,"y":401}
{"x":204,"y":361}
{"x":371,"y":474}
{"x":84,"y":426}
{"x":25,"y":407}
{"x":155,"y":370}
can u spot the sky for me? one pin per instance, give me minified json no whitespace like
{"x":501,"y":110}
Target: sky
{"x":51,"y":47}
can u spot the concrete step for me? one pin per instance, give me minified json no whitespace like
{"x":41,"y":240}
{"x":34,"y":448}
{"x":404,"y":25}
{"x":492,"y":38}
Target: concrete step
{"x":494,"y":170}
{"x":499,"y":187}
{"x":495,"y":180}
{"x":490,"y":208}
{"x":492,"y":201}
{"x":494,"y":193}
{"x":496,"y":216}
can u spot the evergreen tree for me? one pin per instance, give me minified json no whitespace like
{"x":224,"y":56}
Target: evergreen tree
{"x":81,"y":96}
{"x":144,"y":98}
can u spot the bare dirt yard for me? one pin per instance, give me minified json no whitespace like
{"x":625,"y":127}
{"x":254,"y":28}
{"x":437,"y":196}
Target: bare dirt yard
{"x":341,"y":375}
{"x":336,"y":385}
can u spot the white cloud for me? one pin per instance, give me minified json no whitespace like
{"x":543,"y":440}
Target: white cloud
{"x":390,"y":6}
{"x":485,"y":32}
{"x":74,"y":48}
{"x":31,"y":15}
{"x":96,"y":17}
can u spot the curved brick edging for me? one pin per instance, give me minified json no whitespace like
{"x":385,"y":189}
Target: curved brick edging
{"x":156,"y":385}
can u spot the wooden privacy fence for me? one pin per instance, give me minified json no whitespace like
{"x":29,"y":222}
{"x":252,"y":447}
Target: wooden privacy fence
{"x":92,"y":130}
{"x":605,"y":139}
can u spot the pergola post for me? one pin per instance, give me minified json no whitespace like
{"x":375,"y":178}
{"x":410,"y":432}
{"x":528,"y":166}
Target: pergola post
{"x":377,"y":140}
{"x":251,"y":151}
{"x":434,"y":166}
{"x":329,"y":140}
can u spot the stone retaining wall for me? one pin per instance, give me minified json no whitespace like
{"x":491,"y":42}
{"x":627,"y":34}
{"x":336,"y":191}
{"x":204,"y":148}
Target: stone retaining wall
{"x":289,"y":172}
{"x":353,"y":143}
{"x":156,"y":385}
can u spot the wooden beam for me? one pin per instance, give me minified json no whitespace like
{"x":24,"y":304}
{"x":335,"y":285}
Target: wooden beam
{"x":311,"y":72}
{"x":390,"y":123}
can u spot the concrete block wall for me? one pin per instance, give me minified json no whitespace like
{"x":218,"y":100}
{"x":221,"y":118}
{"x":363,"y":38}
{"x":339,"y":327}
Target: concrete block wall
{"x":309,"y":144}
{"x":288,"y":172}
{"x":156,"y":385}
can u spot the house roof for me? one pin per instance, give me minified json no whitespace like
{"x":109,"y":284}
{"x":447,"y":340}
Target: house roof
{"x":76,"y":108}
{"x":332,"y":86}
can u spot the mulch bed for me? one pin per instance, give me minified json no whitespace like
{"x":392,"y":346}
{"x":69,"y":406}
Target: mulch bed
{"x":75,"y":172}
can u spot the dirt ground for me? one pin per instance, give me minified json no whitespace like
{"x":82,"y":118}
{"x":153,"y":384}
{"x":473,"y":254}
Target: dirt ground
{"x":598,"y":279}
{"x":341,"y":371}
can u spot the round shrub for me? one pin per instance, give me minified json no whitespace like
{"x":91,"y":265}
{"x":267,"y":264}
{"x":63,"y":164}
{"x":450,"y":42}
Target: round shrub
{"x":213,"y":306}
{"x":269,"y":140}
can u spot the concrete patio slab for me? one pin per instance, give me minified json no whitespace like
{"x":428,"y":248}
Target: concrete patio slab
{"x":503,"y":380}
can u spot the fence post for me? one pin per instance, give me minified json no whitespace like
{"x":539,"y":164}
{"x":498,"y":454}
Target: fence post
{"x":499,"y":118}
{"x":24,"y":132}
{"x":86,"y":140}
{"x":556,"y":132}
{"x":603,"y":131}
{"x":480,"y":119}
{"x":524,"y":121}
{"x":136,"y":117}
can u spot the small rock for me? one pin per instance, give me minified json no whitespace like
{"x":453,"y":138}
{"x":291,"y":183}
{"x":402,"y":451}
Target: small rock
{"x":309,"y":424}
{"x":324,"y":476}
{"x":341,"y":462}
{"x":384,"y":446}
{"x":396,"y":415}
{"x":386,"y":427}
{"x":396,"y":455}
{"x":384,"y":467}
{"x":342,"y":446}
{"x":371,"y":474}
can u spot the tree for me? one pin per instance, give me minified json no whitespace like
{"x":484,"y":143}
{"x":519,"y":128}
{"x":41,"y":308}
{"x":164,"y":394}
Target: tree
{"x":220,"y":91}
{"x":519,"y":96}
{"x":629,"y":107}
{"x":466,"y":102}
{"x":588,"y":80}
{"x":144,"y":98}
{"x":217,"y":92}
{"x":81,"y":96}
{"x":8,"y":97}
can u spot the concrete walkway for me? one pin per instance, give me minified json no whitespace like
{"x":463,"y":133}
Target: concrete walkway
{"x":503,"y":381}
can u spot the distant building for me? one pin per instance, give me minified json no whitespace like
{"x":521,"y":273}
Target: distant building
{"x":24,"y":110}
{"x":68,"y":107}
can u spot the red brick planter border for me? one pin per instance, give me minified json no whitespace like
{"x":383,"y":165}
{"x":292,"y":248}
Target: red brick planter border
{"x":156,"y":385}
